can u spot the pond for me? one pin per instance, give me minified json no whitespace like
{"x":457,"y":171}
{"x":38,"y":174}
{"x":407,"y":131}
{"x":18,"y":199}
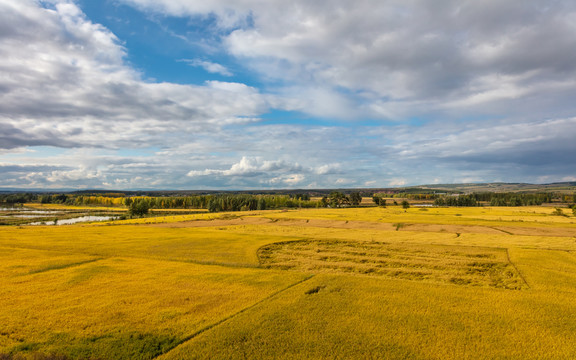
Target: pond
{"x":75,"y":220}
{"x":21,"y":216}
{"x":29,"y":211}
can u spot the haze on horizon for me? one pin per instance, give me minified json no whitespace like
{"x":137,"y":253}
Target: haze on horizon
{"x":189,"y":94}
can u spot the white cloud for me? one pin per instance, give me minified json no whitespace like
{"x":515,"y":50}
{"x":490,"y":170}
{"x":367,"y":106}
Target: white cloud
{"x":294,"y":179}
{"x":250,"y":167}
{"x":345,"y":182}
{"x":66,"y":83}
{"x":477,"y":89}
{"x":73,"y":175}
{"x":255,"y":172}
{"x":209,"y":66}
{"x":329,"y":169}
{"x":231,"y":87}
{"x":380,"y":58}
{"x":397,"y":182}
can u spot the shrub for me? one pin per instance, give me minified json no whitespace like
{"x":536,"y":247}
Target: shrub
{"x":558,"y":212}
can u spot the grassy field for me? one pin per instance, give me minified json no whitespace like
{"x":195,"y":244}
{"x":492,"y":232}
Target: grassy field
{"x":369,"y":283}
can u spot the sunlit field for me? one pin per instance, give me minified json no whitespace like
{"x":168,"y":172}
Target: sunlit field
{"x":352,"y":283}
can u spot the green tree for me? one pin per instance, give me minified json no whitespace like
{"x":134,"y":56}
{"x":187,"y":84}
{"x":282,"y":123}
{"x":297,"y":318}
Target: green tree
{"x":214,"y":205}
{"x":376,"y":199}
{"x":261,"y":204}
{"x":355,"y":198}
{"x":139,"y":208}
{"x":405,"y":204}
{"x":337,"y":199}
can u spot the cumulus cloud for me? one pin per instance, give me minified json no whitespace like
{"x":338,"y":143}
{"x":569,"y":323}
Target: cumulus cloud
{"x":531,"y":143}
{"x":66,"y":83}
{"x":394,"y":54}
{"x":329,"y":169}
{"x":250,"y":167}
{"x":478,"y":90}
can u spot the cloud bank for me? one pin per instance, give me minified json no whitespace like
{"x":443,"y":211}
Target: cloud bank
{"x":374,"y":93}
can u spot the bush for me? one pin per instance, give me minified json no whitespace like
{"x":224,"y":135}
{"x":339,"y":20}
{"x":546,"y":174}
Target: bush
{"x":558,"y":212}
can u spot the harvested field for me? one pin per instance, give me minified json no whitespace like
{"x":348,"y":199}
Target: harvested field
{"x":460,"y":265}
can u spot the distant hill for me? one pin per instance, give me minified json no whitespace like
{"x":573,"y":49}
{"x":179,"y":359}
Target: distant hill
{"x":563,"y":187}
{"x":504,"y":187}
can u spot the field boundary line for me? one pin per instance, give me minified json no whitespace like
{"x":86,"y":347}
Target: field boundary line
{"x":64,"y":266}
{"x":278,"y":243}
{"x":504,"y":231}
{"x":221,"y":321}
{"x":517,"y":270}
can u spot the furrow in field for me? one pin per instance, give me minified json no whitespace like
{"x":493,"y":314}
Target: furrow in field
{"x":211,"y":326}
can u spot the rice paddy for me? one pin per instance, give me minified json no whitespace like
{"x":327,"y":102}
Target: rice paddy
{"x":444,"y":283}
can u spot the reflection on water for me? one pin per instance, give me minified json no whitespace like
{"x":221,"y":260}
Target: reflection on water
{"x":29,"y":211}
{"x":75,"y":220}
{"x":22,"y":216}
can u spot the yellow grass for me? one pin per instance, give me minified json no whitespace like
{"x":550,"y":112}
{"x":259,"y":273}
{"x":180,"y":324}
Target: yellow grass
{"x":202,"y":245}
{"x":120,"y":307}
{"x":18,"y":261}
{"x":520,"y":216}
{"x":366,"y":318}
{"x":434,"y":283}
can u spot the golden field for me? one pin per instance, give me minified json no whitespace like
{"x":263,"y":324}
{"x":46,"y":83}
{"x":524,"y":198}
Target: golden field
{"x":357,"y":283}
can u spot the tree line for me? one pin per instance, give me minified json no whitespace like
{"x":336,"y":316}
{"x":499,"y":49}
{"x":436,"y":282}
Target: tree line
{"x":500,"y":199}
{"x":216,"y":203}
{"x":239,"y":202}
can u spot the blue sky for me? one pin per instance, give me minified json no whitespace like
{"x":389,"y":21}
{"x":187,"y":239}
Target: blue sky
{"x":227,"y":94}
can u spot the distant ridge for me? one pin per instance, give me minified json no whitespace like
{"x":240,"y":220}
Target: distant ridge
{"x":569,"y":186}
{"x":503,"y":187}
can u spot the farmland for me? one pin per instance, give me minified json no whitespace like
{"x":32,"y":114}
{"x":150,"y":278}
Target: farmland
{"x":417,"y":283}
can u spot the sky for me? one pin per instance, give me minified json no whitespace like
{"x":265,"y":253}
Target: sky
{"x":276,"y":94}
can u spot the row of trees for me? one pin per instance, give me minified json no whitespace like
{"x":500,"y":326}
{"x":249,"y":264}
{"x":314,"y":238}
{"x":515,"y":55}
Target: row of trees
{"x":379,"y":201}
{"x":244,"y":202}
{"x":516,"y":199}
{"x":337,"y":199}
{"x":238,"y":202}
{"x":18,"y":198}
{"x":139,"y":206}
{"x":416,"y":196}
{"x":172,"y":202}
{"x":495,"y":199}
{"x":460,"y":200}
